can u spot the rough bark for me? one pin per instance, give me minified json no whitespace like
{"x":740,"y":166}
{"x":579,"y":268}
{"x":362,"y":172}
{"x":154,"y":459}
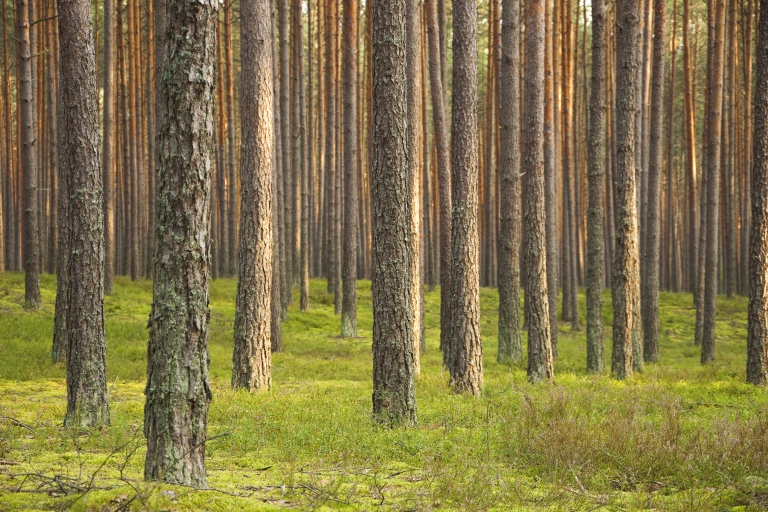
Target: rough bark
{"x":29,"y":148}
{"x":349,"y":265}
{"x":394,"y":390}
{"x":178,"y":390}
{"x":626,"y":265}
{"x":229,"y":89}
{"x":466,"y":364}
{"x":276,"y":305}
{"x":714,"y":131}
{"x":595,"y":176}
{"x":757,"y":338}
{"x":252,"y":354}
{"x":540,"y":359}
{"x":78,"y":115}
{"x":510,"y":345}
{"x":650,"y":299}
{"x":443,"y":163}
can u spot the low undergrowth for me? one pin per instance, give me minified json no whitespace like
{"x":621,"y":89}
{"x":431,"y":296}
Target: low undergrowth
{"x":677,"y":437}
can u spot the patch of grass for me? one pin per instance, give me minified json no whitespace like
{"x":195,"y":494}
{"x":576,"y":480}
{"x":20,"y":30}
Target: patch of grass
{"x":677,"y":437}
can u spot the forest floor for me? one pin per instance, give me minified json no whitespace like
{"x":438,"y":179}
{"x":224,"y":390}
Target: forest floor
{"x":677,"y":437}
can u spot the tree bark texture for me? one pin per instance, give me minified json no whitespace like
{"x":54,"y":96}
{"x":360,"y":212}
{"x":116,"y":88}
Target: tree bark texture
{"x":757,"y":338}
{"x":540,"y":359}
{"x":596,"y":178}
{"x":466,"y":366}
{"x":178,"y":390}
{"x":349,"y":266}
{"x":714,"y":131}
{"x":252,"y":354}
{"x":626,"y":265}
{"x":79,"y":161}
{"x":650,"y":299}
{"x":510,"y":345}
{"x":29,"y":150}
{"x":108,"y":152}
{"x":394,"y":390}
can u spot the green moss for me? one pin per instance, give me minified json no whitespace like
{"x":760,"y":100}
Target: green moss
{"x":677,"y":437}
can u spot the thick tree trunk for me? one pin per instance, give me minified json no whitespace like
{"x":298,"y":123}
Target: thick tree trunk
{"x":626,"y":265}
{"x":757,"y":339}
{"x":443,"y":163}
{"x":466,"y":366}
{"x":29,"y":149}
{"x":540,"y":359}
{"x":79,"y":161}
{"x":394,"y":390}
{"x":510,"y":345}
{"x":178,"y":390}
{"x":650,"y":300}
{"x":714,"y":131}
{"x":595,"y":213}
{"x":349,"y":70}
{"x":252,"y":354}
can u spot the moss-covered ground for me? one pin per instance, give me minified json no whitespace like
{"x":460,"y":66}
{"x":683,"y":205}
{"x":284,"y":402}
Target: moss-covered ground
{"x":677,"y":437}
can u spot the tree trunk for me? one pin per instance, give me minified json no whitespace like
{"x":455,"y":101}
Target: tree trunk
{"x":394,"y":391}
{"x":550,"y":174}
{"x":28,"y":121}
{"x":443,"y":163}
{"x":79,"y":161}
{"x":595,"y":176}
{"x":302,"y":175}
{"x":350,"y":59}
{"x":626,"y":265}
{"x":466,"y":366}
{"x":714,"y":114}
{"x":413,"y":77}
{"x":540,"y":359}
{"x":510,"y":345}
{"x":689,"y":122}
{"x":231,"y":125}
{"x":757,"y":339}
{"x":650,"y":300}
{"x":276,"y":304}
{"x":178,"y":390}
{"x":252,"y":350}
{"x":108,"y":155}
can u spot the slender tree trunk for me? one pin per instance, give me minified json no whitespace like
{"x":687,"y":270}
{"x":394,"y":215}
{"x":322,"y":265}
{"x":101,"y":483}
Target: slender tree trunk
{"x":29,"y":149}
{"x":394,"y":391}
{"x":108,"y":155}
{"x":510,"y":345}
{"x":276,"y":304}
{"x":650,"y":300}
{"x":550,"y":173}
{"x":221,"y":159}
{"x":466,"y":366}
{"x":178,"y":389}
{"x":349,"y":67}
{"x":540,"y":359}
{"x":87,"y":404}
{"x":302,"y":175}
{"x":689,"y":122}
{"x":626,"y":265}
{"x":443,"y":163}
{"x":757,"y":338}
{"x":251,"y":358}
{"x":231,"y":135}
{"x":714,"y":113}
{"x":595,"y":213}
{"x":413,"y":76}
